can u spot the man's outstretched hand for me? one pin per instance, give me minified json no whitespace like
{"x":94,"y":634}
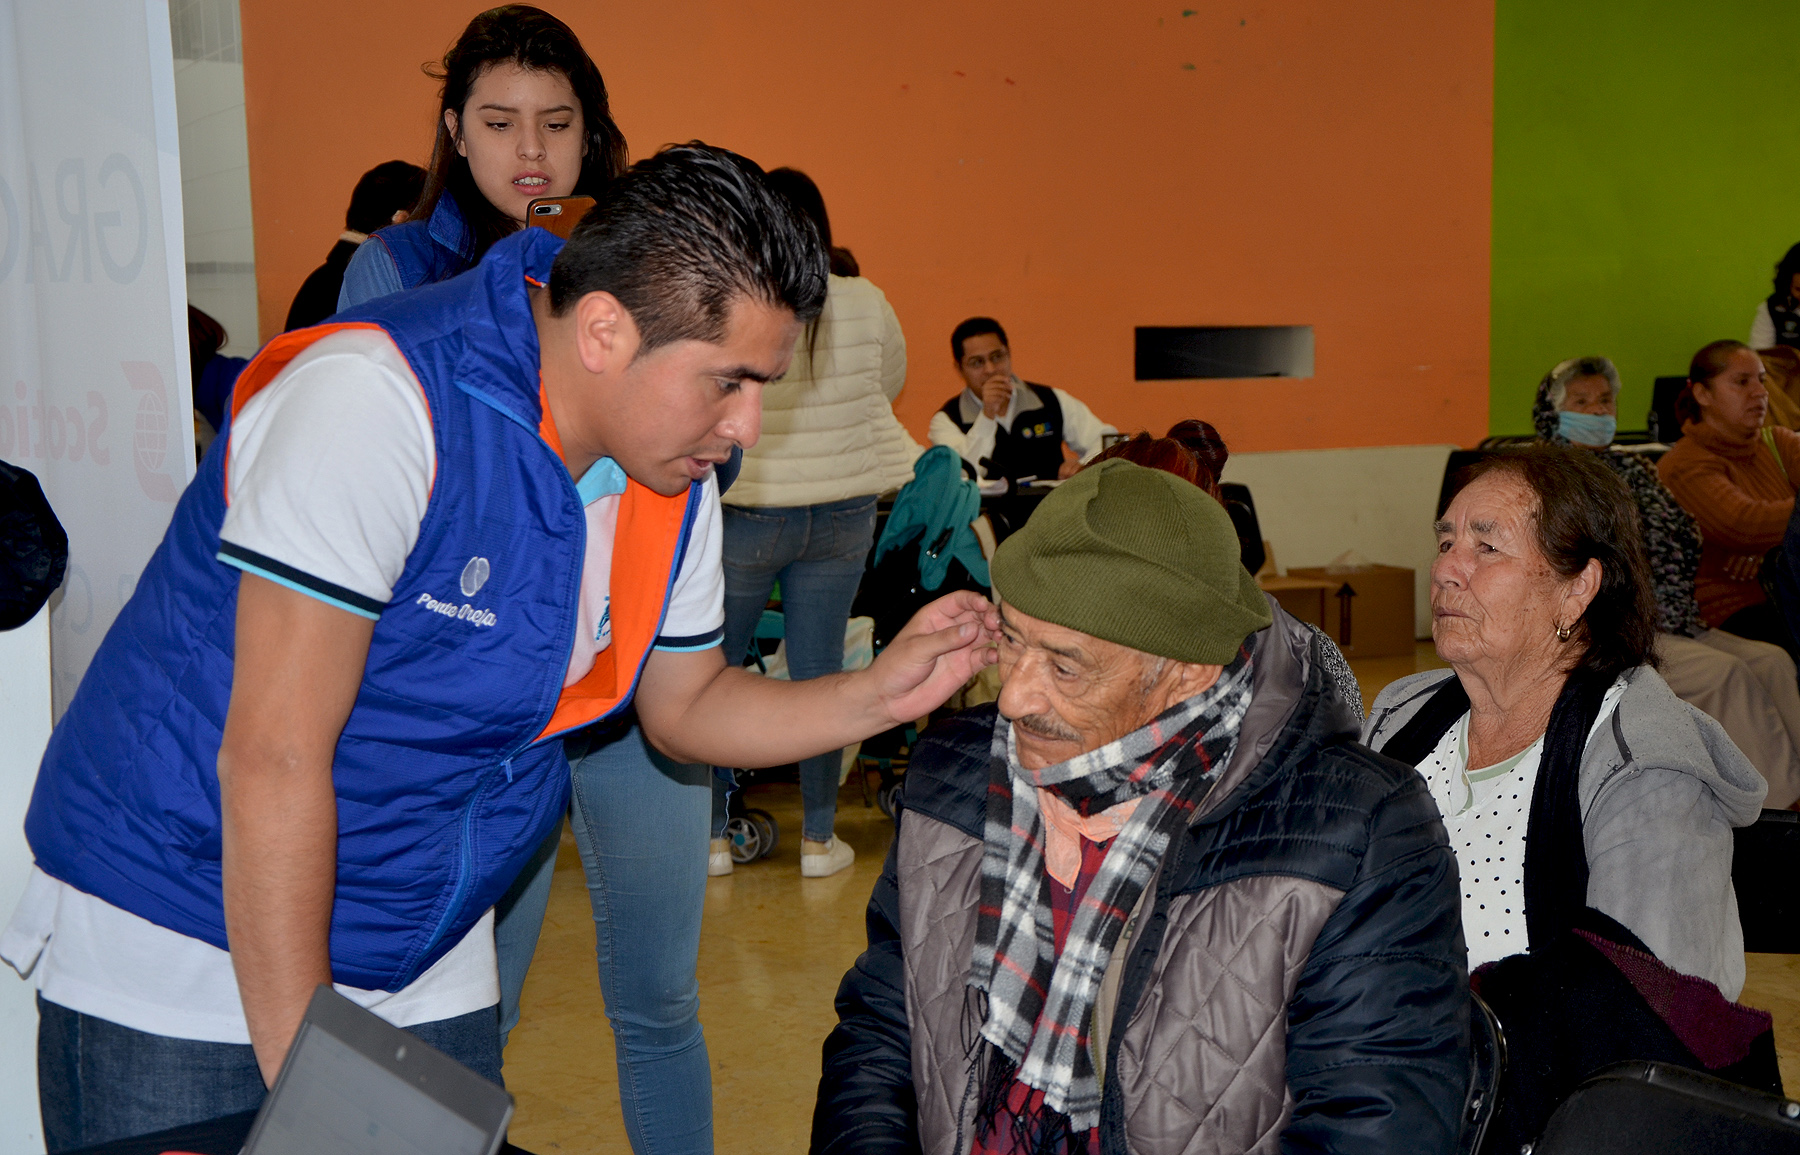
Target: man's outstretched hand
{"x":696,"y":709}
{"x":935,"y":654}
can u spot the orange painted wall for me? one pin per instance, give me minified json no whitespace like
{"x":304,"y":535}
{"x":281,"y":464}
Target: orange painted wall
{"x":1074,"y":169}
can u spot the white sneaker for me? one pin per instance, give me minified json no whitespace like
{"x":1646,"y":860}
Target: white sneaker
{"x":823,"y":863}
{"x":718,"y":858}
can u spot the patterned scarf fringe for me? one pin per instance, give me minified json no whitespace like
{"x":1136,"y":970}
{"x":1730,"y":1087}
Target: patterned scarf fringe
{"x":1040,"y":1129}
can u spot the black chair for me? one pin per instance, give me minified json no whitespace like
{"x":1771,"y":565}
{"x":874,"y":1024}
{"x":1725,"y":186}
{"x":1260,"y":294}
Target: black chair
{"x":1459,"y":460}
{"x":1640,"y":1108}
{"x":1664,"y":426}
{"x":1242,"y":508}
{"x":1487,"y":1067}
{"x":1765,"y":860}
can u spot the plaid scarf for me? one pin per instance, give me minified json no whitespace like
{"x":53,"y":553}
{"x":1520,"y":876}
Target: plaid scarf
{"x":1040,"y":1004}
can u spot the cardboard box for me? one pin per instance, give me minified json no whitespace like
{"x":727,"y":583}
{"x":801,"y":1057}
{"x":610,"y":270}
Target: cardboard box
{"x":1303,"y":597}
{"x":1368,"y":610}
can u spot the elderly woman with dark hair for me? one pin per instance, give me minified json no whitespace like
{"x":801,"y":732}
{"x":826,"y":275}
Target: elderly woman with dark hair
{"x":1581,"y":796}
{"x":1748,"y":686}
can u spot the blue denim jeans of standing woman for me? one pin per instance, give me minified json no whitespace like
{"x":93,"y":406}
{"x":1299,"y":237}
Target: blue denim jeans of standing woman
{"x":817,"y":552}
{"x":640,"y":824}
{"x":99,"y":1081}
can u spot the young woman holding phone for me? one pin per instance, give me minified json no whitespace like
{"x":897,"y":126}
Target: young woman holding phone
{"x":524,"y":116}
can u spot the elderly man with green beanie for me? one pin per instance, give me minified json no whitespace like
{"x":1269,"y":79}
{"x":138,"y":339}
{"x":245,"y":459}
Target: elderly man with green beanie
{"x":1155,"y":899}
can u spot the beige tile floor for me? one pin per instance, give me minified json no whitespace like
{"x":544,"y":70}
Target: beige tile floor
{"x":772,"y":951}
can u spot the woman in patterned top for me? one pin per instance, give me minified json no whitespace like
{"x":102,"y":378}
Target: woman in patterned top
{"x":1748,"y":686}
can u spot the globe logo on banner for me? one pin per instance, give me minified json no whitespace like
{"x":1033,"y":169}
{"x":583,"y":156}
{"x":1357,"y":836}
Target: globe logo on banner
{"x":150,"y":431}
{"x":151,"y":435}
{"x":474,"y":576}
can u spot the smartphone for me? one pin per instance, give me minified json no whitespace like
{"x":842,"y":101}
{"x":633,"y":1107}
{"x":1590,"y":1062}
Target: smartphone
{"x":558,"y":214}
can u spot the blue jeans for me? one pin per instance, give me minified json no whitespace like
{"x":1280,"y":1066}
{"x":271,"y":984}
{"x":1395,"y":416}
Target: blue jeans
{"x":817,"y":552}
{"x":99,"y":1081}
{"x":640,"y":823}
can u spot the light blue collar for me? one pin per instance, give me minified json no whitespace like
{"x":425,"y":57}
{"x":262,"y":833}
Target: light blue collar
{"x":604,"y":478}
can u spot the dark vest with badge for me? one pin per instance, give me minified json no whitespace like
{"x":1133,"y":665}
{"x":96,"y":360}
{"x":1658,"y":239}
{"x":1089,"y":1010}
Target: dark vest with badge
{"x":1033,"y":447}
{"x":1784,"y":311}
{"x":450,"y":768}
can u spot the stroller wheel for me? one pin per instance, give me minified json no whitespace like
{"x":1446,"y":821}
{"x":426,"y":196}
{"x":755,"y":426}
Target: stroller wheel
{"x":745,"y":838}
{"x":767,"y":829}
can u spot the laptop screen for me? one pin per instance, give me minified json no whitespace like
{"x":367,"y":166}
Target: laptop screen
{"x":355,"y":1085}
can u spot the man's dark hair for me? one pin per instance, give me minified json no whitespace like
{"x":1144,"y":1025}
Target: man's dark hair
{"x":681,"y":236}
{"x":975,"y":327}
{"x":383,"y":191}
{"x":1585,"y":512}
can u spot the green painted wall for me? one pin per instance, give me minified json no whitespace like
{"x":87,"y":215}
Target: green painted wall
{"x":1646,"y":180}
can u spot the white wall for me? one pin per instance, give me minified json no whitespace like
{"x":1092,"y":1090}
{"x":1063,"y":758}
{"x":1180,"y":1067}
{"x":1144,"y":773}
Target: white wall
{"x":215,"y":167}
{"x":1315,"y":504}
{"x":25,"y":722}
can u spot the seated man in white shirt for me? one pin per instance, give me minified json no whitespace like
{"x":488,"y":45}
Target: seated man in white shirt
{"x":1007,"y":428}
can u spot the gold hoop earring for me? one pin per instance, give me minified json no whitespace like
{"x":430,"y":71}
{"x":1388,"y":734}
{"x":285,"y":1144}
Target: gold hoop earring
{"x":1562,"y":633}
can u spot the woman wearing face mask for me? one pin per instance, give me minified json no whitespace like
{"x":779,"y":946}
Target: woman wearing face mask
{"x":1748,"y":686}
{"x":1738,"y":480}
{"x":524,"y":115}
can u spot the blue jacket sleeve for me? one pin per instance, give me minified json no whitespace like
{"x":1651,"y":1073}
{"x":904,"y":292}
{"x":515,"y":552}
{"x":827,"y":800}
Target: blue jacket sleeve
{"x":1378,"y":1033}
{"x":866,"y":1101}
{"x":371,"y":274}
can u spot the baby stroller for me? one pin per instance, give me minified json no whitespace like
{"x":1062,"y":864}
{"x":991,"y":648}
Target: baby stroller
{"x":926,"y":549}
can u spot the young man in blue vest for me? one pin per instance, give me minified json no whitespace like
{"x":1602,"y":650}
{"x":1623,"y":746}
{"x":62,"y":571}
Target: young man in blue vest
{"x":1007,"y":428}
{"x":442,"y":532}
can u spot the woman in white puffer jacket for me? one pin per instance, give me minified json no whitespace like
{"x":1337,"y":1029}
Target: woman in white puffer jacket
{"x":802,"y":511}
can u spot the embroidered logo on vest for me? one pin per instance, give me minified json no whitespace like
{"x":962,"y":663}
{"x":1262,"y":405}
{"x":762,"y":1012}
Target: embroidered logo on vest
{"x":462,"y":613}
{"x":474,"y":576}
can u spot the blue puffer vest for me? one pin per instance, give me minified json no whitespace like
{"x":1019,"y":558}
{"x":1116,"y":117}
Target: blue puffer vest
{"x":430,"y":250}
{"x":450,"y":768}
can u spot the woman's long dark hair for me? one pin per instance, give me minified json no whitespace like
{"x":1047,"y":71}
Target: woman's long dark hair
{"x":801,"y":189}
{"x":532,"y":39}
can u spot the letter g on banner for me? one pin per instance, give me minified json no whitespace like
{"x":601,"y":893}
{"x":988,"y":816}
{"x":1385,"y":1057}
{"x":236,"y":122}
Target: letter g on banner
{"x":151,"y":431}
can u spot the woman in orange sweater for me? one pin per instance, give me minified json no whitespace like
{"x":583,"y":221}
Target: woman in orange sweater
{"x":1738,"y":478}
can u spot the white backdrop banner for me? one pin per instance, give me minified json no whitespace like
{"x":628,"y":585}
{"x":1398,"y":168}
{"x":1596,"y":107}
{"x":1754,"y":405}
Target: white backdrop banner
{"x":94,"y":390}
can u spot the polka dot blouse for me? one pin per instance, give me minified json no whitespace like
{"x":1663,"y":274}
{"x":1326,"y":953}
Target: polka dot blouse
{"x":1485,"y":812}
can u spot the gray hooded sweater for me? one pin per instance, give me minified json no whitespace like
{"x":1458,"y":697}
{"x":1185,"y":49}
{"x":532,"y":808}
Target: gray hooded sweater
{"x":1661,"y":787}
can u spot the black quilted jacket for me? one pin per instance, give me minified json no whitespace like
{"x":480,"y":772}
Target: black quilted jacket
{"x":1362,"y":992}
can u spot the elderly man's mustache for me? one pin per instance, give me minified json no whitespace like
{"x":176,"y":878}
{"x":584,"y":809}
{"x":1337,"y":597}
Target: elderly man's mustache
{"x":1045,"y":726}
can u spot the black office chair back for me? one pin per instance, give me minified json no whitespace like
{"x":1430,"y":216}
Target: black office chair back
{"x":1459,"y":460}
{"x":1640,"y":1108}
{"x":1487,"y":1067}
{"x":1765,"y":860}
{"x":1664,"y":426}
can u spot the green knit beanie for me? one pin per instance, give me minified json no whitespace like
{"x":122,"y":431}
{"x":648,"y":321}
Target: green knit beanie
{"x":1135,"y":556}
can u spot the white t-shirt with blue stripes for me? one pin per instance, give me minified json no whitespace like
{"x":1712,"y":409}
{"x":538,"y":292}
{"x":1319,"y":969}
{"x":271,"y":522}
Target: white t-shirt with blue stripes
{"x":330,"y":472}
